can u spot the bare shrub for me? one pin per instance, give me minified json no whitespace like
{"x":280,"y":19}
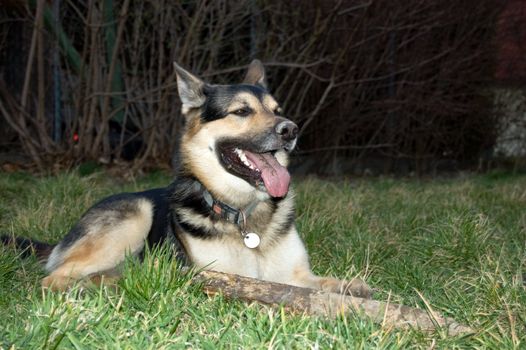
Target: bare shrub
{"x":398,"y":79}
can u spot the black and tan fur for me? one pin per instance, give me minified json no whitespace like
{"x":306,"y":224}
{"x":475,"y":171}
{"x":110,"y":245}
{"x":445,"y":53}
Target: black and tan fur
{"x":218,"y":118}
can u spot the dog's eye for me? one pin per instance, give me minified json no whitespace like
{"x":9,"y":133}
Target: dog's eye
{"x":242,"y":112}
{"x":278,"y":111}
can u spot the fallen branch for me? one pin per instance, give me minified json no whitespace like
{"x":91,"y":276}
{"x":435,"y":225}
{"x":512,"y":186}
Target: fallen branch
{"x":320,"y":303}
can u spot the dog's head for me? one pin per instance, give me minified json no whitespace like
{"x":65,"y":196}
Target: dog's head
{"x":236,"y":141}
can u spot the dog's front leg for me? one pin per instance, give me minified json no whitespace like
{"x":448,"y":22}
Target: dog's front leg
{"x":288,"y":263}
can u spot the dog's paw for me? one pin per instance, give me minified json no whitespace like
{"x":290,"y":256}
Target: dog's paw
{"x":355,"y":287}
{"x":358,"y":288}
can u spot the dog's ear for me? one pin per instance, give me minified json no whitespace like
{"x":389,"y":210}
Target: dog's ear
{"x":256,"y":74}
{"x":190,"y":88}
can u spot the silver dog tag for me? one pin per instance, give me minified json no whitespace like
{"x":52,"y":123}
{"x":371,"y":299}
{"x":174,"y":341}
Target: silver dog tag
{"x":251,"y":240}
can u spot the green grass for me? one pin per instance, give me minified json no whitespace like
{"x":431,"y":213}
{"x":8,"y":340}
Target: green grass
{"x":461,"y":243}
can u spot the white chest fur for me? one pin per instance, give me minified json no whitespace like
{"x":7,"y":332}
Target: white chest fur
{"x":277,"y":262}
{"x":223,"y":255}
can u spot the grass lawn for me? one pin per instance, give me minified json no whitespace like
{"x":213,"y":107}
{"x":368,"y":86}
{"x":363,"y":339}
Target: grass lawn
{"x":460,"y":243}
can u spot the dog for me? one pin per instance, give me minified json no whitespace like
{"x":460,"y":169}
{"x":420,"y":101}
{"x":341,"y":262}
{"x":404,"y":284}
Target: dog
{"x":229,"y":209}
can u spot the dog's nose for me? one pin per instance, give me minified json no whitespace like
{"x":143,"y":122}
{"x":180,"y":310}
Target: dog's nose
{"x":287,"y":130}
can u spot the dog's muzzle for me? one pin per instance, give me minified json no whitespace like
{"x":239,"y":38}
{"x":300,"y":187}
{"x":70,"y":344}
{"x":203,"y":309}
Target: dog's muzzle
{"x":254,"y":158}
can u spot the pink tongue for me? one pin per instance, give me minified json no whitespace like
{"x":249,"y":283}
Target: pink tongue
{"x":275,"y":176}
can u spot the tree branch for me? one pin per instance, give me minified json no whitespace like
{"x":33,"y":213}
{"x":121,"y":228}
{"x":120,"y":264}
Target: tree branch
{"x":319,"y":303}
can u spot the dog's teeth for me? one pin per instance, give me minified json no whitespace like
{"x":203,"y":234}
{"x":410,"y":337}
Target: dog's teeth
{"x":243,"y":157}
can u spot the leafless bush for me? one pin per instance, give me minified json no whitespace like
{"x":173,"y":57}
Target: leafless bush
{"x":404,"y":80}
{"x":395,"y":79}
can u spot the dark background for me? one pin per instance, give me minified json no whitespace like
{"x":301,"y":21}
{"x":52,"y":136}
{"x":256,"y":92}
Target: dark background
{"x":399,"y":86}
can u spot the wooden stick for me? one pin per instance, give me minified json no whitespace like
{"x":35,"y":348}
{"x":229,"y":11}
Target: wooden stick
{"x":321,"y":303}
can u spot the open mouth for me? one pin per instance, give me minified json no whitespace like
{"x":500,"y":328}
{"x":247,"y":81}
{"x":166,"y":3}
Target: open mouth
{"x":262,"y":170}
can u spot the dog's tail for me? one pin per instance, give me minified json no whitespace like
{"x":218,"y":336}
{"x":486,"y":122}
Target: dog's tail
{"x":27,"y":246}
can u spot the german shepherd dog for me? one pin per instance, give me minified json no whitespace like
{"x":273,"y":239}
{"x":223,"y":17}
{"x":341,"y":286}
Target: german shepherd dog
{"x":229,"y":209}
